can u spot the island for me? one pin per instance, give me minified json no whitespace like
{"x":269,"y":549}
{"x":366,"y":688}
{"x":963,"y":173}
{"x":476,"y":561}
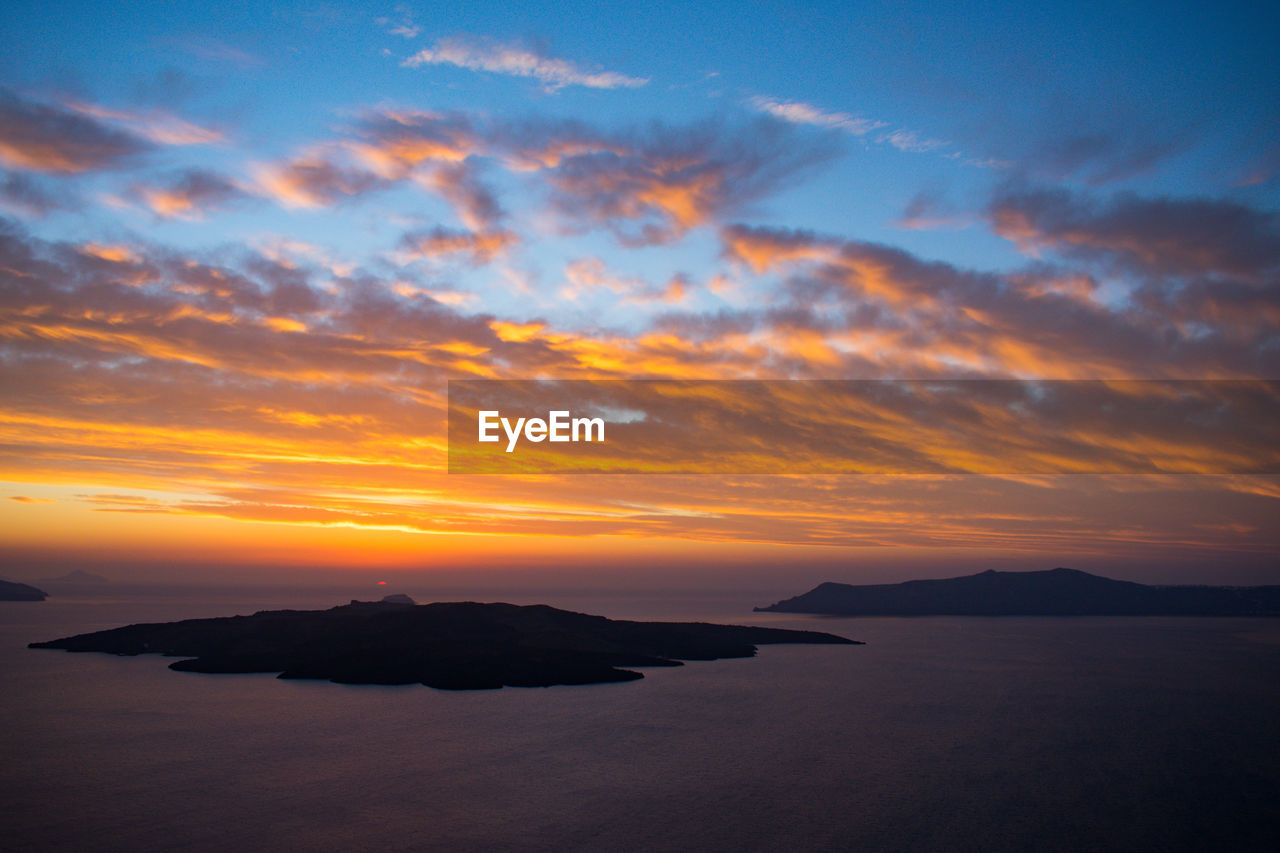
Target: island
{"x":452,"y":646}
{"x":11,"y":591}
{"x":78,"y":576}
{"x":1056,"y":592}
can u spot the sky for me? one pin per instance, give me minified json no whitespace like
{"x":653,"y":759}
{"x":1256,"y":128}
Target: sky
{"x":245,"y":246}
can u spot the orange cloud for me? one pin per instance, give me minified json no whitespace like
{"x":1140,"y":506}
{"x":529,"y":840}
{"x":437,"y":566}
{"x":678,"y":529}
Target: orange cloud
{"x":312,"y":181}
{"x":480,"y":246}
{"x":191,"y":194}
{"x":764,"y":250}
{"x":47,"y":138}
{"x":653,"y":189}
{"x":393,"y":142}
{"x":1034,"y":323}
{"x":590,"y":274}
{"x":110,"y":253}
{"x":255,"y":391}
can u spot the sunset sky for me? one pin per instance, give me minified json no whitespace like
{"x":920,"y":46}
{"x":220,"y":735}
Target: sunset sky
{"x":244,"y":246}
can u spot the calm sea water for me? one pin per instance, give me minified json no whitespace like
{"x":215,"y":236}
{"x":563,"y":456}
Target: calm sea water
{"x":980,"y":734}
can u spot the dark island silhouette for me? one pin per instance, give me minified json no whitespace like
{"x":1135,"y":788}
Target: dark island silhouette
{"x":11,"y":591}
{"x":453,"y":646}
{"x":1057,"y":592}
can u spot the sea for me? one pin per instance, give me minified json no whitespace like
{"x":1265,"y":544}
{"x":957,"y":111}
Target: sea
{"x":940,"y":734}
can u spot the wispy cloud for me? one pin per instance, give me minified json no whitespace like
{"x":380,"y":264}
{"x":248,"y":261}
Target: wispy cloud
{"x":212,"y":49}
{"x":912,"y":142}
{"x":928,"y":210}
{"x":400,"y":24}
{"x":552,"y":72}
{"x":159,"y":127}
{"x":590,"y":274}
{"x":1102,"y":158}
{"x":798,"y":112}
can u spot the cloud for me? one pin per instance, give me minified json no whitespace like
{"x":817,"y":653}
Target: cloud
{"x":1103,"y":157}
{"x":1084,"y":138}
{"x":23,"y":499}
{"x":912,"y":142}
{"x":649,"y":186}
{"x":22,"y":195}
{"x":864,"y":309}
{"x":207,"y":47}
{"x":106,"y":502}
{"x":1156,"y":236}
{"x":797,"y":112}
{"x":587,"y":275}
{"x":505,"y":59}
{"x":536,"y":144}
{"x":653,"y":187}
{"x":159,"y":127}
{"x":313,"y":180}
{"x":929,"y":209}
{"x":47,"y":138}
{"x":115,"y":253}
{"x":145,"y":367}
{"x":1263,"y":169}
{"x":479,"y":246}
{"x":431,"y":150}
{"x":764,"y":249}
{"x":475,"y":203}
{"x":401,"y":24}
{"x":292,"y":254}
{"x":819,"y":306}
{"x":189,"y":195}
{"x":245,"y":317}
{"x":393,"y":142}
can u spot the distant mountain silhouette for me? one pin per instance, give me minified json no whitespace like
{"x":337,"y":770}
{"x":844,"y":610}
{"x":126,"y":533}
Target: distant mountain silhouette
{"x":77,"y":576}
{"x":1058,"y":592}
{"x":10,"y":591}
{"x":457,"y":646}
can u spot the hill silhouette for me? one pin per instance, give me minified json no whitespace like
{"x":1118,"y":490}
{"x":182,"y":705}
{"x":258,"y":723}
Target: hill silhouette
{"x":12,"y":591}
{"x":1057,"y":592}
{"x":77,"y":576}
